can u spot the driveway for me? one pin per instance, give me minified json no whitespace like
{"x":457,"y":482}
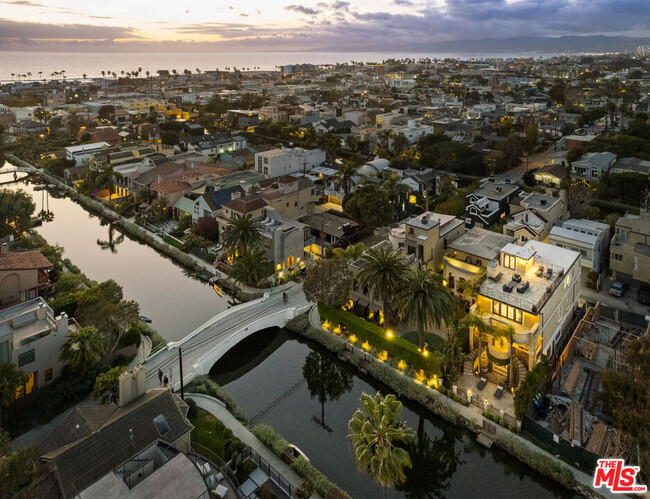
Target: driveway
{"x":628,"y":303}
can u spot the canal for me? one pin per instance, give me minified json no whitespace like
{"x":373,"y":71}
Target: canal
{"x":308,"y":395}
{"x":176,"y":302}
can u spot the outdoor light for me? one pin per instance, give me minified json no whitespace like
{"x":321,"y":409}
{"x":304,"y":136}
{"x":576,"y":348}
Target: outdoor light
{"x":401,"y":365}
{"x":353,"y":338}
{"x":389,"y":334}
{"x":425,"y":353}
{"x":366,"y":346}
{"x":469,"y":394}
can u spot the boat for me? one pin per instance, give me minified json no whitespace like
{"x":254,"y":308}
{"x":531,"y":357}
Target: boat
{"x":297,"y":452}
{"x":40,"y":187}
{"x":146,"y":319}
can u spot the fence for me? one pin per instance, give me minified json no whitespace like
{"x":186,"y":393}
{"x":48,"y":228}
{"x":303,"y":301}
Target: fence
{"x":583,"y":459}
{"x":269,"y":470}
{"x":479,"y":402}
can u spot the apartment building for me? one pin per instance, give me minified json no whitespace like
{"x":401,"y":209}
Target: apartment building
{"x":534,"y":288}
{"x":629,"y":251}
{"x":589,"y":238}
{"x":413,"y":131}
{"x":81,"y":154}
{"x":31,"y":337}
{"x":426,"y":236}
{"x":279,"y":162}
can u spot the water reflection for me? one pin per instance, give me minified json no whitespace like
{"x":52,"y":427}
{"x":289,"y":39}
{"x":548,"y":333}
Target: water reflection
{"x":326,"y":381}
{"x":112,"y":241}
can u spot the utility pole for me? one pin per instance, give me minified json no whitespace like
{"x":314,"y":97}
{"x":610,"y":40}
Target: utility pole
{"x":180,"y":367}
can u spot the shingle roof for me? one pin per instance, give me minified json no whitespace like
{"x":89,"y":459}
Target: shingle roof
{"x":24,"y":260}
{"x":126,"y":432}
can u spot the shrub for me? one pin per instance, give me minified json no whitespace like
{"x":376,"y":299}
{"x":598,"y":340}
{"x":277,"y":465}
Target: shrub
{"x":396,"y":347}
{"x":191,"y":411}
{"x":322,"y":484}
{"x":271,"y":439}
{"x":530,"y":386}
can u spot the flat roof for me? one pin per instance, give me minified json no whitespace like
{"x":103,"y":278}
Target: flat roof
{"x":482,"y":243}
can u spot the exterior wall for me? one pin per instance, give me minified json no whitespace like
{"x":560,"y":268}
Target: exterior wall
{"x":14,"y":283}
{"x":295,"y":204}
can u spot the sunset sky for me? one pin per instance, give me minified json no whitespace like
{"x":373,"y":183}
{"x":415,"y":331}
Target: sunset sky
{"x":283,"y":25}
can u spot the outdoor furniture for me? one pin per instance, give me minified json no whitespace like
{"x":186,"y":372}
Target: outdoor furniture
{"x":523,"y":287}
{"x":499,"y":392}
{"x":205,"y":469}
{"x":516,"y":277}
{"x":481,"y":383}
{"x":220,"y":491}
{"x":219,"y":476}
{"x":549,"y":273}
{"x":495,"y":278}
{"x":540,"y":271}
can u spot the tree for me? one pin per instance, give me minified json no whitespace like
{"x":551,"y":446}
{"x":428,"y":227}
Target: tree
{"x":328,"y":281}
{"x":329,"y":143}
{"x":475,"y":321}
{"x":40,"y":114}
{"x":507,"y":332}
{"x":377,"y":437}
{"x":82,"y":349}
{"x":351,"y":252}
{"x":578,"y":198}
{"x":382,"y":271}
{"x":400,"y":142}
{"x":509,"y":154}
{"x":532,"y":135}
{"x":423,"y":300}
{"x":393,"y":188}
{"x":106,"y":386}
{"x":11,"y":378}
{"x":16,"y":468}
{"x":346,"y":174}
{"x":195,"y":243}
{"x":241,"y":234}
{"x":69,"y":283}
{"x":170,"y":138}
{"x":106,"y":113}
{"x":369,"y":206}
{"x":326,"y":381}
{"x":207,"y":227}
{"x":625,"y":396}
{"x":16,"y":210}
{"x":251,"y":267}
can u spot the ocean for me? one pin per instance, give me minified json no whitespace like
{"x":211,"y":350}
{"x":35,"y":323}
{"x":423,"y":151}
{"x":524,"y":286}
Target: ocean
{"x":75,"y":64}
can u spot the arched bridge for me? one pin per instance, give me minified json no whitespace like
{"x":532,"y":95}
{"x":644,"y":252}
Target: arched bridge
{"x":209,"y":342}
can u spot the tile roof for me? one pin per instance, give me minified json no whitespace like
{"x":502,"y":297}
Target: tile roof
{"x":24,"y":260}
{"x":247,"y":204}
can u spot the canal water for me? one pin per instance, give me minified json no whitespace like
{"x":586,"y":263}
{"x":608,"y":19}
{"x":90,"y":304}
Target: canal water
{"x":176,"y":302}
{"x":308,"y":395}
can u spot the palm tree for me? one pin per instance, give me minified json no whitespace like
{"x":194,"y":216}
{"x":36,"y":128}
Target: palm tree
{"x":377,"y":435}
{"x":346,"y":174}
{"x":482,"y":327}
{"x":107,"y":384}
{"x":329,"y":143}
{"x":399,"y":143}
{"x":82,"y":349}
{"x":382,"y":271}
{"x":424,"y":300}
{"x":352,"y":252}
{"x":241,"y":234}
{"x":107,"y":178}
{"x":393,"y":188}
{"x":251,"y":267}
{"x":11,"y":378}
{"x":508,"y":332}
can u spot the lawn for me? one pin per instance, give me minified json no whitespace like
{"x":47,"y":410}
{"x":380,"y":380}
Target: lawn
{"x":432,"y":340}
{"x":211,"y":433}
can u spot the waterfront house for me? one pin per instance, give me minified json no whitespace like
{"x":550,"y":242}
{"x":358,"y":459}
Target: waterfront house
{"x":534,"y":288}
{"x":328,"y":231}
{"x":31,"y":337}
{"x":24,"y":275}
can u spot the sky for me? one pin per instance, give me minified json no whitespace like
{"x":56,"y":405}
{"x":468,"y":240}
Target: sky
{"x":360,"y":25}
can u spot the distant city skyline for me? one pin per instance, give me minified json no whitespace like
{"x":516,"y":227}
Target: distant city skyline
{"x":310,"y":25}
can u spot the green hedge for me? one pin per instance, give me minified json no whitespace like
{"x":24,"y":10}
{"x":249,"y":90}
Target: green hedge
{"x":322,"y":484}
{"x":203,"y":384}
{"x":396,"y":347}
{"x":530,"y":386}
{"x":271,"y":439}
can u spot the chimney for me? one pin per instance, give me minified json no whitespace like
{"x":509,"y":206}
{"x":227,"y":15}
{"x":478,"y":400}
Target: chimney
{"x":563,"y":195}
{"x":132,"y":384}
{"x":40,"y":311}
{"x":62,"y":324}
{"x":4,"y":249}
{"x":159,"y":179}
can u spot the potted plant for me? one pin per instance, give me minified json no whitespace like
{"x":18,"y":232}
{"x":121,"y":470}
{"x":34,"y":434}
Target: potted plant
{"x":233,"y":461}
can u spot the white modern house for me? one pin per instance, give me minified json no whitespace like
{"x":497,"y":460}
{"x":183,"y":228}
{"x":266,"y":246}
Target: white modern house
{"x":81,"y":154}
{"x":278,"y":162}
{"x":588,"y":238}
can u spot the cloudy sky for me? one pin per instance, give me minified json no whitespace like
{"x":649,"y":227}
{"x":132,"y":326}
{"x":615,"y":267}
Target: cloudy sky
{"x":333,"y":25}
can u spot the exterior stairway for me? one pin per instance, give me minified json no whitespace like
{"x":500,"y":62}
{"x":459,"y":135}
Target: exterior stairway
{"x":521,"y":370}
{"x":468,"y":367}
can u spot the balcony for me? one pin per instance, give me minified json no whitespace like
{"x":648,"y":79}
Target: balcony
{"x":460,"y":266}
{"x":497,"y":352}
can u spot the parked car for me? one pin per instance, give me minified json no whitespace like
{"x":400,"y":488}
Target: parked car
{"x":618,"y":289}
{"x":644,"y":295}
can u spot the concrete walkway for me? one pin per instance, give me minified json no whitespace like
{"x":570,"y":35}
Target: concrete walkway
{"x":475,"y":414}
{"x":218,"y":410}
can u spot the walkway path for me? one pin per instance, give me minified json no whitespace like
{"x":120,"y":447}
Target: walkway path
{"x":217,"y":409}
{"x":474,"y":414}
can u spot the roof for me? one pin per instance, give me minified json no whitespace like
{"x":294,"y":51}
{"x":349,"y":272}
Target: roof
{"x":171,"y":185}
{"x":573,"y":234}
{"x":106,"y":135}
{"x":24,"y":260}
{"x":246,"y":204}
{"x":184,"y":204}
{"x":494,"y":190}
{"x":164,"y":169}
{"x":330,"y":224}
{"x":482,"y":243}
{"x":217,"y":198}
{"x":119,"y":435}
{"x":597,"y":160}
{"x":554,"y":170}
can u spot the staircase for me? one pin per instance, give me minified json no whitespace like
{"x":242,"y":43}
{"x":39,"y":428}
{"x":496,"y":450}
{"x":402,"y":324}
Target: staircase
{"x":521,"y":370}
{"x":468,"y":367}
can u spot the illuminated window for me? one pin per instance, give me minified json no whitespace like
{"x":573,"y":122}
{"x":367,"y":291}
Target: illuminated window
{"x":509,"y":261}
{"x":503,"y":310}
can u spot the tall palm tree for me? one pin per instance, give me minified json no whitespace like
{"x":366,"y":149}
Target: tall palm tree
{"x":399,"y":143}
{"x":10,"y":379}
{"x":107,"y":178}
{"x":382,"y":271}
{"x":346,"y":174}
{"x":107,"y":384}
{"x":424,"y":300}
{"x":378,"y":435}
{"x":482,"y":327}
{"x":508,"y":332}
{"x":82,"y":349}
{"x":392,"y":187}
{"x":329,"y":143}
{"x":241,"y":234}
{"x":251,"y":267}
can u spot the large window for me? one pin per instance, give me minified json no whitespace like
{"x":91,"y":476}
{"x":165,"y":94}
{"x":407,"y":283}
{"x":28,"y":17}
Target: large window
{"x":507,"y":311}
{"x":27,"y":357}
{"x":509,"y":261}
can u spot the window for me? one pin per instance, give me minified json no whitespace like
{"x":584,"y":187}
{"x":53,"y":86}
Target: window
{"x":509,"y":261}
{"x":507,"y":311}
{"x":4,"y":352}
{"x":48,"y":375}
{"x":26,"y":358}
{"x":161,"y":425}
